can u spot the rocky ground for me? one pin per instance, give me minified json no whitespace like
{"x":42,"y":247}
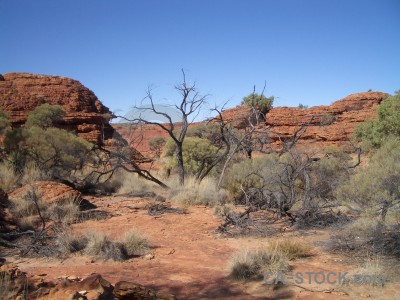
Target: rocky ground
{"x":190,"y":260}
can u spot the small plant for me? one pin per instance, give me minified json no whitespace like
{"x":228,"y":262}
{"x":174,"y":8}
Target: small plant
{"x":302,"y":106}
{"x":133,"y":184}
{"x":327,"y":119}
{"x":8,"y":177}
{"x":291,"y":249}
{"x":194,"y":193}
{"x":68,"y":242}
{"x":100,"y":245}
{"x":66,"y":211}
{"x":253,"y":265}
{"x":134,"y":244}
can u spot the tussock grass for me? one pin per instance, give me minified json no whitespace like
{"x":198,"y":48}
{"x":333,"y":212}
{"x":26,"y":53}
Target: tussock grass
{"x":290,"y":248}
{"x":99,"y":245}
{"x":194,"y":193}
{"x":8,"y":177}
{"x":131,"y":183}
{"x":68,"y":243}
{"x":253,"y":265}
{"x":134,"y":244}
{"x":66,"y":211}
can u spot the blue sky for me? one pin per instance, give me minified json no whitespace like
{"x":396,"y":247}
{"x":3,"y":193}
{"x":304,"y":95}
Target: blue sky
{"x":311,"y":52}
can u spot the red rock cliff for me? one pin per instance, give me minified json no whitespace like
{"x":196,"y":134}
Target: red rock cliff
{"x":327,"y":125}
{"x":331,"y":125}
{"x":21,"y":93}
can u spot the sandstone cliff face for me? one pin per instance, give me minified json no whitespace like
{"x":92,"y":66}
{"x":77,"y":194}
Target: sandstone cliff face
{"x":331,"y":125}
{"x":21,"y":93}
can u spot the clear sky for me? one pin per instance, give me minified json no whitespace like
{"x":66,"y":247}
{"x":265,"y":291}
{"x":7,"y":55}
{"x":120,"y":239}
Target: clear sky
{"x":311,"y":51}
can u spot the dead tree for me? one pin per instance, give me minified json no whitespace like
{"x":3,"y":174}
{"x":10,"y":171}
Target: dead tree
{"x":189,"y":106}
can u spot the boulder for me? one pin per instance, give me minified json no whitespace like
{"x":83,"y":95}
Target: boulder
{"x":50,"y":192}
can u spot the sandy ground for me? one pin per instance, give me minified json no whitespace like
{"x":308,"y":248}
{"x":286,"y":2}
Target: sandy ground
{"x":191,"y":260}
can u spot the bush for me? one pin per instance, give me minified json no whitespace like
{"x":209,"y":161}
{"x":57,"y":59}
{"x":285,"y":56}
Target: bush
{"x":45,"y":116}
{"x":260,"y":102}
{"x":327,"y":119}
{"x":65,"y":212}
{"x":254,"y":173}
{"x":291,"y":249}
{"x":375,"y":186}
{"x":131,"y":183}
{"x":253,"y":265}
{"x":27,"y":205}
{"x":8,"y":177}
{"x":68,"y":243}
{"x":134,"y":244}
{"x":194,"y":193}
{"x":101,"y":246}
{"x":375,"y":132}
{"x":195,"y":151}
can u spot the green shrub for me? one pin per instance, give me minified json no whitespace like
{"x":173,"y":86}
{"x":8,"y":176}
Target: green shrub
{"x":375,"y":186}
{"x":45,"y":116}
{"x":375,"y":132}
{"x":195,"y":151}
{"x":262,"y":103}
{"x":254,"y":173}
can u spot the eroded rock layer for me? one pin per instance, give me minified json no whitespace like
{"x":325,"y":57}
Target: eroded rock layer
{"x":21,"y":93}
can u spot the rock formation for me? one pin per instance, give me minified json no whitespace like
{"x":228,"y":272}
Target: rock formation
{"x":50,"y":192}
{"x":21,"y":93}
{"x":20,"y":285}
{"x":331,"y":125}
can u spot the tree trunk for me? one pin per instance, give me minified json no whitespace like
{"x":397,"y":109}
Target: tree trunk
{"x":181,"y":169}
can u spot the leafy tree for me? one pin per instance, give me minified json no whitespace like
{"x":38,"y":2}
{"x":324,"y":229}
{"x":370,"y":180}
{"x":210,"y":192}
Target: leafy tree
{"x":56,"y":151}
{"x":196,"y":152}
{"x":45,"y":116}
{"x":262,"y":103}
{"x":387,"y":123}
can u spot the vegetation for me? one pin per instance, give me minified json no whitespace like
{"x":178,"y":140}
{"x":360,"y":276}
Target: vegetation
{"x":262,"y":103}
{"x":375,"y":132}
{"x":376,"y":186}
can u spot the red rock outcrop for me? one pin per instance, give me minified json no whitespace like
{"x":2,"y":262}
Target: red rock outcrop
{"x":21,"y":93}
{"x":331,"y":125}
{"x":326,"y":125}
{"x":50,"y":192}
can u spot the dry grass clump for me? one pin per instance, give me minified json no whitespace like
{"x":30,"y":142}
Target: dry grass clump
{"x":131,"y":183}
{"x":66,"y":211}
{"x":134,"y":244}
{"x":99,"y":245}
{"x":33,"y":173}
{"x":290,"y":248}
{"x":67,"y":242}
{"x":272,"y":259}
{"x":253,"y":265}
{"x":194,"y":193}
{"x":8,"y":177}
{"x":27,"y":205}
